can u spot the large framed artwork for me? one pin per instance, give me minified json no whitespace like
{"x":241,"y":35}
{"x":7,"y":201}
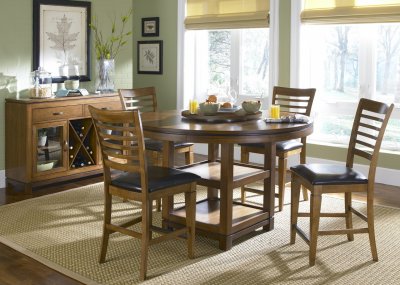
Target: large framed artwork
{"x":150,"y":57}
{"x":61,"y":36}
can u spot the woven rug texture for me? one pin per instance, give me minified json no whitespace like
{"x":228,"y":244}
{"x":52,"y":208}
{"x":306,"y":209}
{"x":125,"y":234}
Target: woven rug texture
{"x":64,"y":231}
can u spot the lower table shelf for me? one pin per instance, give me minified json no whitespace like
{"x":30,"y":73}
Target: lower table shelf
{"x":210,"y":173}
{"x":245,"y":218}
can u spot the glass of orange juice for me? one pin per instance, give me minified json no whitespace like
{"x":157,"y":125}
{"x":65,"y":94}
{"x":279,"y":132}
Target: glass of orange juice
{"x":275,"y":111}
{"x":193,"y":106}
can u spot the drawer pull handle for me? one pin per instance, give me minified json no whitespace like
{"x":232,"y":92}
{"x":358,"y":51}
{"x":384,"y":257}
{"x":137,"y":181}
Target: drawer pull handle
{"x":58,"y":113}
{"x":105,"y":108}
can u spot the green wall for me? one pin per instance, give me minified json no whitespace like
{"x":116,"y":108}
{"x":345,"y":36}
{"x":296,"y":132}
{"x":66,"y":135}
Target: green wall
{"x":165,"y":83}
{"x":284,"y":43}
{"x":16,"y":50}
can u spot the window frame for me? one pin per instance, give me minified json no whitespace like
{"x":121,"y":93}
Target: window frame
{"x":366,"y":73}
{"x":186,"y":92}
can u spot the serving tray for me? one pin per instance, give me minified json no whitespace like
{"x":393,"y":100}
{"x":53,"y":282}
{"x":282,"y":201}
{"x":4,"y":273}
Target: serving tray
{"x":222,"y":117}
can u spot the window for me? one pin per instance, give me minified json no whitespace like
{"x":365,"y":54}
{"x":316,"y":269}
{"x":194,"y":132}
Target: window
{"x":346,"y":62}
{"x":226,"y":49}
{"x":235,"y":62}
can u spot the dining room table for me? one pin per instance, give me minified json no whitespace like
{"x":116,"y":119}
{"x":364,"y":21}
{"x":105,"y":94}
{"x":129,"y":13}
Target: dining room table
{"x":219,"y":216}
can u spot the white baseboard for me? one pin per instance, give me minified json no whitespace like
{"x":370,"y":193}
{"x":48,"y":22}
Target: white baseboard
{"x":383,"y":175}
{"x":2,"y":178}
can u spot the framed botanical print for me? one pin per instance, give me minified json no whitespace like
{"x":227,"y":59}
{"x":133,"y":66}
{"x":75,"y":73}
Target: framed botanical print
{"x":150,"y":57}
{"x":150,"y":27}
{"x":61,"y":36}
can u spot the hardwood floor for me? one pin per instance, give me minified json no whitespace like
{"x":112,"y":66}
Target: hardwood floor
{"x":16,"y":268}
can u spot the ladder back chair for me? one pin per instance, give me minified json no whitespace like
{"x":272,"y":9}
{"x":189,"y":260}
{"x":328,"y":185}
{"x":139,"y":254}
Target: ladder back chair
{"x":291,"y":100}
{"x":120,"y":136}
{"x":365,"y":141}
{"x":145,"y":99}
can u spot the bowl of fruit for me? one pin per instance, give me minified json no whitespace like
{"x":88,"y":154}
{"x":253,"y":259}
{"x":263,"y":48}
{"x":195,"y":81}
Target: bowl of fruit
{"x":251,"y":106}
{"x":209,"y":108}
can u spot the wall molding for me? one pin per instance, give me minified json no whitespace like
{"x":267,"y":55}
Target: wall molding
{"x":2,"y":178}
{"x":383,"y":175}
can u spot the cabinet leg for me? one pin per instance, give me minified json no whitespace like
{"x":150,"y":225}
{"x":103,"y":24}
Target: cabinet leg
{"x":28,"y":189}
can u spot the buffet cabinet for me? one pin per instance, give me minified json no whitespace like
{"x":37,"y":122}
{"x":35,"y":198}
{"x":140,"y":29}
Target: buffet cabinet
{"x":52,"y":140}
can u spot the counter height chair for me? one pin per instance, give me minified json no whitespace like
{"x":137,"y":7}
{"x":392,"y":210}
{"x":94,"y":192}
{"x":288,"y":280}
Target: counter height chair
{"x":145,"y":100}
{"x":120,"y":136}
{"x":365,"y":141}
{"x":291,"y":100}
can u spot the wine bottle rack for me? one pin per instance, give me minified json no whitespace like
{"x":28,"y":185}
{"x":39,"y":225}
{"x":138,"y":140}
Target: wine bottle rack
{"x":82,"y":144}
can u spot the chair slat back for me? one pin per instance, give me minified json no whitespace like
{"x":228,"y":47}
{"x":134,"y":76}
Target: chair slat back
{"x":144,"y":99}
{"x":120,"y":136}
{"x":368,"y":129}
{"x":294,"y":100}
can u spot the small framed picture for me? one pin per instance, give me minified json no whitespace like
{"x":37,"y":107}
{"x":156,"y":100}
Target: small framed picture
{"x":150,"y":27}
{"x":150,"y":57}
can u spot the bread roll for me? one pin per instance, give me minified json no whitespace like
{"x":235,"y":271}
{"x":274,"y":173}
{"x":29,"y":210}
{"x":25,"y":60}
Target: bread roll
{"x":227,"y":105}
{"x":212,"y":98}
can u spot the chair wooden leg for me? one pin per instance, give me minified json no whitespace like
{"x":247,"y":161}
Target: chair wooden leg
{"x":315,"y":211}
{"x":303,"y":161}
{"x":282,"y":164}
{"x":154,"y":158}
{"x":349,"y":215}
{"x":371,"y":227}
{"x":190,"y":202}
{"x":244,"y":158}
{"x":158,"y":205}
{"x":189,"y":156}
{"x":305,"y":193}
{"x":107,"y":221}
{"x":294,"y":207}
{"x":146,"y":222}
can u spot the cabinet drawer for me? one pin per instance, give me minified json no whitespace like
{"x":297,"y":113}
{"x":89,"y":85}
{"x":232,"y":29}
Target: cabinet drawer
{"x":56,"y":113}
{"x":111,"y":105}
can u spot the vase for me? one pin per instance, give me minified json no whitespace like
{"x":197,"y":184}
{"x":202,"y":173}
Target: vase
{"x":105,"y":75}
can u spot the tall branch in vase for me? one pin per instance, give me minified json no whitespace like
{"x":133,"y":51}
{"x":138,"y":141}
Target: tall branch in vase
{"x":107,"y":49}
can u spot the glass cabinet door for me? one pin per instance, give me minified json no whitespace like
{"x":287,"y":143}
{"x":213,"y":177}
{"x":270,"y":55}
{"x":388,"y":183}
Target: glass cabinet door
{"x":50,"y":149}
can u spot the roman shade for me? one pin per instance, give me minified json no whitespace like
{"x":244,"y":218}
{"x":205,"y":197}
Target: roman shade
{"x":226,"y":14}
{"x":350,"y":11}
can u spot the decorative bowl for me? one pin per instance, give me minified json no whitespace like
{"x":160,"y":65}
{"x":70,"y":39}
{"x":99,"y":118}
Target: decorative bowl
{"x":209,"y":108}
{"x":251,"y":106}
{"x":46,"y":165}
{"x":71,"y":84}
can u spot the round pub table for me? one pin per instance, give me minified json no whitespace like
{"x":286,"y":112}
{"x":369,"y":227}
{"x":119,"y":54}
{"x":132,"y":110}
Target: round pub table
{"x":219,"y":216}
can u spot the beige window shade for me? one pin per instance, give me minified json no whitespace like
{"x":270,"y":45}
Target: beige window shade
{"x":350,"y":11}
{"x":226,"y":14}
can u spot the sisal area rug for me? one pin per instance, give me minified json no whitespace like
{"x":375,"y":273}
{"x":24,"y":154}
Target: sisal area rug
{"x":63,"y":231}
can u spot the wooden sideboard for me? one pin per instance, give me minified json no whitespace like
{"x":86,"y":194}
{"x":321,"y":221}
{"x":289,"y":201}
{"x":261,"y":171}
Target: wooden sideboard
{"x":52,"y":140}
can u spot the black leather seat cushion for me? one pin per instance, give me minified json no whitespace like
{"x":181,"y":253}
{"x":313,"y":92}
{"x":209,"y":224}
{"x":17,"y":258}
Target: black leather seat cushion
{"x":280,"y":146}
{"x":158,"y":145}
{"x":329,"y":174}
{"x":159,"y":178}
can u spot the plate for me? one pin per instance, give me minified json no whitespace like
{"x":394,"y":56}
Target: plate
{"x":229,"y":110}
